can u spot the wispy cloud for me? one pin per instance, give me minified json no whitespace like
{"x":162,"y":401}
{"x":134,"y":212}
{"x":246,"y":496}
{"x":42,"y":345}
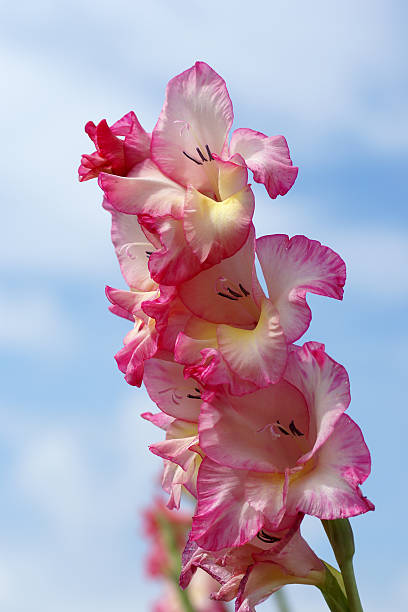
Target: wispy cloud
{"x":333,"y":68}
{"x":34,"y":321}
{"x":375,"y":255}
{"x":82,"y":483}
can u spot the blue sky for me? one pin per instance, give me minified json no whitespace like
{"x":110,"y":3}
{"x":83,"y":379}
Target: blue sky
{"x":74,"y":464}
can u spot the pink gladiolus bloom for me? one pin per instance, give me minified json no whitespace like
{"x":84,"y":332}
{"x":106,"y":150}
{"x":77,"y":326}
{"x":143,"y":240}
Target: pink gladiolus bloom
{"x":239,"y":336}
{"x":280,"y":451}
{"x":194,"y":180}
{"x":254,"y":571}
{"x":159,"y":561}
{"x":133,"y":247}
{"x":175,"y":395}
{"x":118,"y":148}
{"x":181,"y":453}
{"x":158,"y":318}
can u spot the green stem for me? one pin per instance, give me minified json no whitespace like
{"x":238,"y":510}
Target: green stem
{"x":341,"y":539}
{"x":333,"y":590}
{"x":333,"y":604}
{"x":281,"y":601}
{"x":175,"y":556}
{"x":350,"y":585}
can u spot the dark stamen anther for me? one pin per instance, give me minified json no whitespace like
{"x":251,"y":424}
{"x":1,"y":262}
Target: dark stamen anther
{"x":201,"y":155}
{"x":192,"y":159}
{"x":286,"y":433}
{"x":237,"y":295}
{"x":209,"y":152}
{"x":295,"y":430}
{"x":227,"y":296}
{"x":197,"y":389}
{"x":268,"y":539}
{"x":191,"y":396}
{"x":244,"y":291}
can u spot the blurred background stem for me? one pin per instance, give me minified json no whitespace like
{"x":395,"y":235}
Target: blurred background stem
{"x":281,"y":601}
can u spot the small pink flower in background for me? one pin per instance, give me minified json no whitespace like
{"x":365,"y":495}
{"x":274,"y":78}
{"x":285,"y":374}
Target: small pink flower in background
{"x":163,"y":526}
{"x":158,"y":561}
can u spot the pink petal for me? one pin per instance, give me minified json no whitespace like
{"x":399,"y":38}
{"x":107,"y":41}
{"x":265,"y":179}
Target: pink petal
{"x":197,"y":113}
{"x":175,"y":262}
{"x":175,"y":478}
{"x":236,"y":431}
{"x":216,"y":230}
{"x":159,"y":419}
{"x":113,"y":154}
{"x":144,"y":191}
{"x":295,"y":564}
{"x":132,"y":250}
{"x":224,"y":293}
{"x":233,"y":504}
{"x":139,"y":346}
{"x":181,"y":438}
{"x":197,"y":350}
{"x":329,"y":489}
{"x":325,"y":385}
{"x":257,"y":355}
{"x":291,"y":268}
{"x":136,"y":142}
{"x":195,"y":557}
{"x":268,"y":158}
{"x":130,"y":301}
{"x":167,"y":387}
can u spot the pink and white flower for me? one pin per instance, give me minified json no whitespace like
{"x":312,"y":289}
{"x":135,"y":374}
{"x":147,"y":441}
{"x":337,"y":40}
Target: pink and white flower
{"x":158,"y":315}
{"x":181,"y":454}
{"x":280,"y":451}
{"x":238,"y":336}
{"x":253,"y":571}
{"x":194,"y":177}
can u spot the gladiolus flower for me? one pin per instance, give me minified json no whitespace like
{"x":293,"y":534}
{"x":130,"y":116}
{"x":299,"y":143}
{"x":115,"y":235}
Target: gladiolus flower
{"x":194,"y":177}
{"x":181,"y":453}
{"x":254,"y":571}
{"x":239,"y":336}
{"x":280,"y":451}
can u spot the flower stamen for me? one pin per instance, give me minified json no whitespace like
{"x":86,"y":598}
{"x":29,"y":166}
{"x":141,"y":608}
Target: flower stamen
{"x":192,"y":159}
{"x":192,"y":396}
{"x":265,"y":537}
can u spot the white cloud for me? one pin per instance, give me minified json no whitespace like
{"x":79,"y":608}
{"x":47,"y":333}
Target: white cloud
{"x":34,"y":322}
{"x":374,"y":255}
{"x":59,"y":467}
{"x":333,"y":69}
{"x":80,"y":483}
{"x":330,"y":67}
